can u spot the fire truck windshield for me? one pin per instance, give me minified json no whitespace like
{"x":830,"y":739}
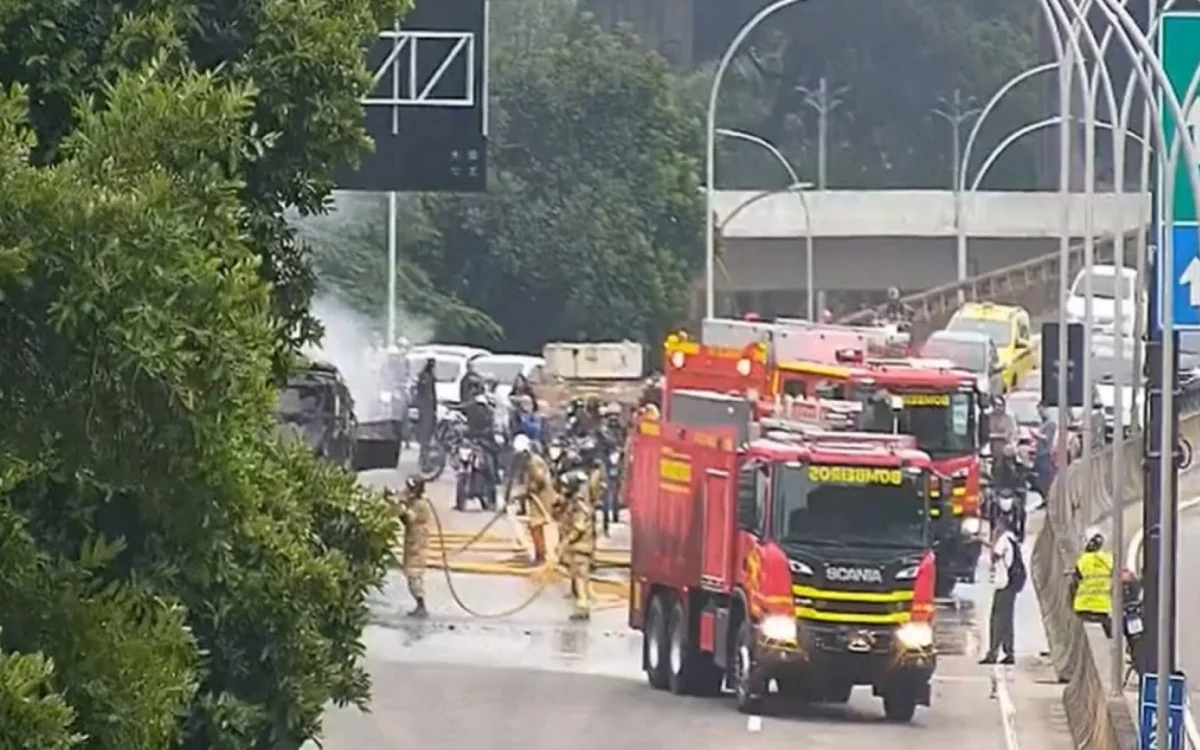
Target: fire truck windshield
{"x":826,"y":504}
{"x":942,"y":423}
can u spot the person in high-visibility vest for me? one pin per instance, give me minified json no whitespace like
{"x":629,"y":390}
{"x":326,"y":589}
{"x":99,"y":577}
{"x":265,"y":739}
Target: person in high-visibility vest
{"x":1092,"y":582}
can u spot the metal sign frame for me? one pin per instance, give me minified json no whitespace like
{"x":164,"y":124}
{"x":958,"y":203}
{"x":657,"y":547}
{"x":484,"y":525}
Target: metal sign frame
{"x":427,"y":111}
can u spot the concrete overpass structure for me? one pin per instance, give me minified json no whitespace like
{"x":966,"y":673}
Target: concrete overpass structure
{"x":866,"y":241}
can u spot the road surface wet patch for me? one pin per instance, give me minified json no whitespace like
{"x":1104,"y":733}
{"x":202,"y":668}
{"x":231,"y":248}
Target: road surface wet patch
{"x":954,"y":626}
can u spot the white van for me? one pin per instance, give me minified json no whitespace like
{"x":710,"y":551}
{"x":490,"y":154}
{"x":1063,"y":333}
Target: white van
{"x":1107,"y":286}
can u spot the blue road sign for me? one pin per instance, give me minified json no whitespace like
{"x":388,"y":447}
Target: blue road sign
{"x":1186,"y":277}
{"x":1148,"y":711}
{"x":1179,"y":51}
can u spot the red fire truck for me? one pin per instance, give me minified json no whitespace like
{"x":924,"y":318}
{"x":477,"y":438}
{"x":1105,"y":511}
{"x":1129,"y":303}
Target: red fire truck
{"x":799,"y":557}
{"x":940,"y":406}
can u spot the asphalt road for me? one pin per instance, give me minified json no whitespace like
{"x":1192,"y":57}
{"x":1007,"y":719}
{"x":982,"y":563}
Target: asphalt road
{"x":1188,"y":593}
{"x":532,"y":680}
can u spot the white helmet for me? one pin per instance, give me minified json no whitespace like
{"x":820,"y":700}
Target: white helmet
{"x":521,"y":444}
{"x":1006,"y":502}
{"x":1093,"y":536}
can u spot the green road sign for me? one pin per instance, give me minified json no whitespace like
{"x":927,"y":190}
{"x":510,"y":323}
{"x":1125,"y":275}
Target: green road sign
{"x":1179,"y":50}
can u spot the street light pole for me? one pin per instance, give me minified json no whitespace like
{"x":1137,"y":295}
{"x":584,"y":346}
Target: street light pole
{"x":710,"y":150}
{"x":823,"y":102}
{"x":957,"y":112}
{"x":1155,"y":80}
{"x":796,"y":187}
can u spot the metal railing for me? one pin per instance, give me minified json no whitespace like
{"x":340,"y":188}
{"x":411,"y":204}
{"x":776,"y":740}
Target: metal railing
{"x":1032,"y":284}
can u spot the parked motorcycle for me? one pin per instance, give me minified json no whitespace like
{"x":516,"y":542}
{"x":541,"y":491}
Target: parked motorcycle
{"x":447,"y":437}
{"x":476,"y":476}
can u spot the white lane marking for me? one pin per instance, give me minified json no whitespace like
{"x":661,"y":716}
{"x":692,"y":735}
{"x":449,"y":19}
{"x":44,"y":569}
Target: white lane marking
{"x":1008,"y":712}
{"x":1135,"y":544}
{"x":754,"y":724}
{"x":1189,"y":727}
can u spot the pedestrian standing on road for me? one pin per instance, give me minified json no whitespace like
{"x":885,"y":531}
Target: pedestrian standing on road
{"x":425,"y":399}
{"x":1008,"y":578}
{"x":416,"y":514}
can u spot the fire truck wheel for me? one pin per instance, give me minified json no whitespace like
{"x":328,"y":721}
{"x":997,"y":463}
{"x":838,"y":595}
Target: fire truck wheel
{"x":654,"y":644}
{"x":899,"y":705}
{"x":680,"y":655}
{"x":749,"y":695}
{"x":690,"y":671}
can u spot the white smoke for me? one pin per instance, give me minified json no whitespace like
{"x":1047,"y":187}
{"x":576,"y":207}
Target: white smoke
{"x":353,"y":343}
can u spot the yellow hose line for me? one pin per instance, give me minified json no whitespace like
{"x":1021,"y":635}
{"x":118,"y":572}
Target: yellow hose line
{"x":544,"y":574}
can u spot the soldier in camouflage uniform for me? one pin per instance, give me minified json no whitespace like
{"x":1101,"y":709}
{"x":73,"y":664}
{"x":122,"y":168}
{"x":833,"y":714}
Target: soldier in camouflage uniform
{"x":580,"y":541}
{"x":416,"y":514}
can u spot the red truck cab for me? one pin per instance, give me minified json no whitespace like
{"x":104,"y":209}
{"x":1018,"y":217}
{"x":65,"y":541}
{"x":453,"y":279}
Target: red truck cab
{"x":803,"y":558}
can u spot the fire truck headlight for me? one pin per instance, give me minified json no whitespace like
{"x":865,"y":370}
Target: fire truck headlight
{"x":915,"y":635}
{"x":971,"y":526}
{"x":907,"y":574}
{"x":799,"y":568}
{"x":743,"y":367}
{"x":779,"y":628}
{"x":677,"y":359}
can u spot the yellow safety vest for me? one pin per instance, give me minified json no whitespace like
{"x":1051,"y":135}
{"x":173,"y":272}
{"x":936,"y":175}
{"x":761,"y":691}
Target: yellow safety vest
{"x":1094,"y":594}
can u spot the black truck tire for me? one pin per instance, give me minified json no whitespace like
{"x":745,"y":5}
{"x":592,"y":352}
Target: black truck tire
{"x":654,"y":644}
{"x":899,"y":705}
{"x":748,"y":695}
{"x":690,"y":671}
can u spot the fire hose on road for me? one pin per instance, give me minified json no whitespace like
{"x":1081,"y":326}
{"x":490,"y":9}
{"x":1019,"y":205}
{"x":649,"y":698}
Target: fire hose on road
{"x":440,"y":557}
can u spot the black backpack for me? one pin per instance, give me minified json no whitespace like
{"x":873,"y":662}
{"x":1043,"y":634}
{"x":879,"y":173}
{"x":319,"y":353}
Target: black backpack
{"x":1018,"y":574}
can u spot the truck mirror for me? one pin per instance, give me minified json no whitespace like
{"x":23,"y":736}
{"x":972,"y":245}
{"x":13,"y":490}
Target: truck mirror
{"x":985,"y":428}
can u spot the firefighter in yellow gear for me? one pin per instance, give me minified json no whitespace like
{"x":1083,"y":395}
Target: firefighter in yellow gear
{"x":1092,"y":582}
{"x":534,"y":482}
{"x":579,"y":541}
{"x":416,"y":514}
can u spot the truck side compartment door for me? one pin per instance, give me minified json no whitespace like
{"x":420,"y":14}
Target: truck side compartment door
{"x":717,"y":570}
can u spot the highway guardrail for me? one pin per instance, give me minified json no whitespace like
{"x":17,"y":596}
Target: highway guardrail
{"x":1082,"y":496}
{"x":1032,"y":284}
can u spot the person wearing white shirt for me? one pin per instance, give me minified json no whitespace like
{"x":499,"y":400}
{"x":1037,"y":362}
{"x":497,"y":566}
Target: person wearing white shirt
{"x":1008,"y":578}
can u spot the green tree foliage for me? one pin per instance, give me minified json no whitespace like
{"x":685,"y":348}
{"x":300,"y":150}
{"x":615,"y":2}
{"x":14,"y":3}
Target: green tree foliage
{"x":593,"y":224}
{"x":896,"y":60}
{"x":302,"y":57}
{"x":193,"y":582}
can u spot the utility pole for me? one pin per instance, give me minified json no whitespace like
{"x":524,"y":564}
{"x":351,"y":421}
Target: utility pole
{"x":823,"y":102}
{"x":957,"y":111}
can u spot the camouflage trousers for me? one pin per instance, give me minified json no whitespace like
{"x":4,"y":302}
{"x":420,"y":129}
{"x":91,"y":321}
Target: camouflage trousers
{"x":579,"y":568}
{"x":414,"y":573}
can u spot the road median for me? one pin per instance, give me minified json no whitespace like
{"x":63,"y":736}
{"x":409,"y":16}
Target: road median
{"x":1082,"y":496}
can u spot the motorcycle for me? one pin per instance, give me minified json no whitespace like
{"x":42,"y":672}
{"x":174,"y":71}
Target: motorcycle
{"x":447,"y":437}
{"x":1134,"y":626}
{"x":611,"y":508}
{"x":475,"y":479}
{"x":1009,"y":504}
